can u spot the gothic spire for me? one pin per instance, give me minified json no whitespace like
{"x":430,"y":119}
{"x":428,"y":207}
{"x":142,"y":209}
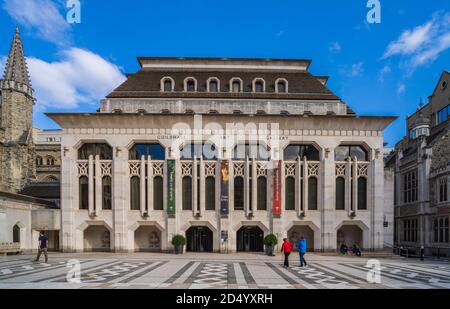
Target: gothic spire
{"x":16,"y":66}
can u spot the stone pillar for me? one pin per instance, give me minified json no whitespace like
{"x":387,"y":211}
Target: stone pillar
{"x":195,"y":210}
{"x":202,"y":187}
{"x":328,"y":197}
{"x":305,"y":187}
{"x":143,"y":187}
{"x":254,"y":187}
{"x":247,"y":189}
{"x":149,"y":185}
{"x":98,"y":185}
{"x":91,"y":185}
{"x":69,"y":197}
{"x":121,"y":200}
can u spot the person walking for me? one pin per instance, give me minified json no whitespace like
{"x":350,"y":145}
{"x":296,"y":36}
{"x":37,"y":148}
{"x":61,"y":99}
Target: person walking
{"x":302,"y":251}
{"x":286,"y":248}
{"x":43,"y":245}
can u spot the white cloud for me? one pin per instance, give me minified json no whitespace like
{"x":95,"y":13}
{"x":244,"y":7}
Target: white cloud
{"x":401,"y":89}
{"x":80,"y":77}
{"x":385,"y":70}
{"x":2,"y":65}
{"x":354,"y":70}
{"x":424,"y":43}
{"x":335,"y":48}
{"x":43,"y":16}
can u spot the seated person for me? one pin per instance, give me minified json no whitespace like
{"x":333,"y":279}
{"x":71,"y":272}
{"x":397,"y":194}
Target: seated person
{"x":355,"y":250}
{"x":344,"y":249}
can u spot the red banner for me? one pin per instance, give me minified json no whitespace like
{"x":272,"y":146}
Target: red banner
{"x":276,"y":207}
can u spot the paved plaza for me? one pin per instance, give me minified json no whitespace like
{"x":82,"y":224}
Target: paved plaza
{"x":205,"y":271}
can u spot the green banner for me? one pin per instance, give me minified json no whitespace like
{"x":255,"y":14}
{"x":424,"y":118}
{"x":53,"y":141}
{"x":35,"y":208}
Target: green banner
{"x":171,"y":187}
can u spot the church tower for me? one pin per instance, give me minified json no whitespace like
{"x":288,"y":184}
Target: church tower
{"x":17,"y":153}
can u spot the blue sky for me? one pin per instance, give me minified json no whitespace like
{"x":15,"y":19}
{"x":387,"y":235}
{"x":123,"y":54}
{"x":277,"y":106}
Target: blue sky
{"x":378,"y":69}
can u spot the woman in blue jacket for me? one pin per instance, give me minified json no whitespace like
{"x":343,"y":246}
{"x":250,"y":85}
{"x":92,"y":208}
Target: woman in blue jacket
{"x":302,"y":251}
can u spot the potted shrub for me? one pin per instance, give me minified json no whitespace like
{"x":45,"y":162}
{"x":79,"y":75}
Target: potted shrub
{"x":178,"y":241}
{"x":270,"y":241}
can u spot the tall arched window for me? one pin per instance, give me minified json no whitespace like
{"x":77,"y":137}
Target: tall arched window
{"x":103,"y":150}
{"x":158,"y":193}
{"x":135,"y":193}
{"x":340,"y":193}
{"x":293,"y":152}
{"x":154,"y":150}
{"x":262,"y":193}
{"x":239,"y":193}
{"x":39,"y":161}
{"x":187,"y":193}
{"x":106,"y":193}
{"x":84,"y":192}
{"x":362,"y":193}
{"x":312,"y":193}
{"x":50,"y":161}
{"x":210,"y":193}
{"x":16,"y":234}
{"x":290,"y":193}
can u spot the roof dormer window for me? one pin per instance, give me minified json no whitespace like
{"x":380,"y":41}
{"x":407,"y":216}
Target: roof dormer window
{"x":259,"y":85}
{"x":236,"y":85}
{"x":190,"y":84}
{"x":213,"y":84}
{"x":167,"y":84}
{"x":281,"y":85}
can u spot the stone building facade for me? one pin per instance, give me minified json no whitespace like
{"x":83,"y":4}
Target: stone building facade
{"x":24,"y":208}
{"x":422,"y":175}
{"x":224,"y":152}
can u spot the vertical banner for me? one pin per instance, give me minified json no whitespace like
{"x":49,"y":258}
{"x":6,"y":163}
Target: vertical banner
{"x":225,"y":180}
{"x":171,"y":187}
{"x":276,"y":207}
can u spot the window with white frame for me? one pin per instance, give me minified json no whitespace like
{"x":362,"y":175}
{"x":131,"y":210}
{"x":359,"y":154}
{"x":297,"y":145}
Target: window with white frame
{"x":213,"y":85}
{"x":190,"y":84}
{"x":259,"y":85}
{"x":281,"y":86}
{"x":167,"y":84}
{"x":236,"y":85}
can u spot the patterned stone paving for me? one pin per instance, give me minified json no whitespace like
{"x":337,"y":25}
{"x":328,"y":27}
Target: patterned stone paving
{"x":181,"y":273}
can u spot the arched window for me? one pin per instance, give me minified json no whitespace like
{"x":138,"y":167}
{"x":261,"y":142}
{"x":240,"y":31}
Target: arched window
{"x":187,"y":193}
{"x":343,"y":152}
{"x":281,"y":86}
{"x":258,"y":151}
{"x":207,"y":151}
{"x":262,"y":193}
{"x":16,"y":234}
{"x":39,"y":161}
{"x":312,"y":193}
{"x":154,"y":150}
{"x":190,"y":84}
{"x":362,"y":193}
{"x":210,"y":193}
{"x":106,"y":193}
{"x":135,"y":193}
{"x":340,"y":193}
{"x":236,"y":85}
{"x":167,"y":84}
{"x":84,"y":192}
{"x":102,"y":150}
{"x":50,"y":161}
{"x":289,"y":193}
{"x":239,"y":193}
{"x":293,"y":152}
{"x":258,"y":85}
{"x":158,"y":193}
{"x":213,"y":85}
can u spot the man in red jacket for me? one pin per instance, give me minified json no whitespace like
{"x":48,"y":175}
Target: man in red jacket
{"x":286,"y":248}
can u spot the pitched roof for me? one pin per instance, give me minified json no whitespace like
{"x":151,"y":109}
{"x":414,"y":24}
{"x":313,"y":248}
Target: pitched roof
{"x":43,"y":190}
{"x":147,"y":84}
{"x":16,"y":66}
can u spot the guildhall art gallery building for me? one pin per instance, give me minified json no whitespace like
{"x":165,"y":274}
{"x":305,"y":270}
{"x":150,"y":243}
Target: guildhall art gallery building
{"x":225,"y":152}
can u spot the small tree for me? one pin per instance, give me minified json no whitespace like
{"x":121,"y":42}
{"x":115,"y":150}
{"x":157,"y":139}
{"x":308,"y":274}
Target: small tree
{"x":271,"y":240}
{"x":178,"y":240}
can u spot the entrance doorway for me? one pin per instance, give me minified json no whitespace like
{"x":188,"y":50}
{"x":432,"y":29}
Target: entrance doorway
{"x":199,"y":239}
{"x":97,"y":238}
{"x":250,"y":239}
{"x":350,"y":235}
{"x":295,"y":233}
{"x":147,"y":239}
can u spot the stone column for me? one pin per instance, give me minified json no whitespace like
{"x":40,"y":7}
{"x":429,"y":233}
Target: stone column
{"x":143,"y":187}
{"x":149,"y":185}
{"x":69,"y":197}
{"x":98,"y":185}
{"x":194,"y":187}
{"x":121,"y":200}
{"x":254,"y":187}
{"x":305,"y":186}
{"x":328,"y":197}
{"x":91,"y":184}
{"x":202,"y":187}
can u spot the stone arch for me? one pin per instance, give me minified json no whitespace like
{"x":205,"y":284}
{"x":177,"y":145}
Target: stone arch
{"x":147,"y":231}
{"x":97,"y":236}
{"x":353,"y":232}
{"x":301,"y":228}
{"x":215,"y":233}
